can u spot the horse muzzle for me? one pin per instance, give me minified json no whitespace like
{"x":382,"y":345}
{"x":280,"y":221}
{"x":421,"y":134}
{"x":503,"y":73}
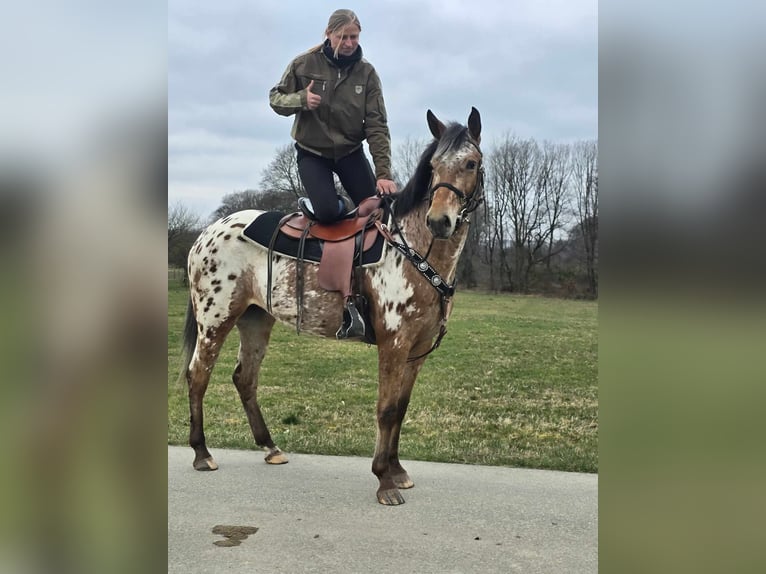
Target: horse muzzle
{"x":445,"y":213}
{"x":441,"y":225}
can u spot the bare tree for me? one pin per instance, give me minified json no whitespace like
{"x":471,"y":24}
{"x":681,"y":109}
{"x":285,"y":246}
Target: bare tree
{"x":498,"y":212}
{"x":528,"y":192}
{"x":181,"y":220}
{"x":585,"y":177}
{"x":519,"y":161}
{"x":406,"y":158}
{"x":541,"y":207}
{"x":553,"y":189}
{"x":281,"y":176}
{"x":466,"y":268}
{"x":237,"y":201}
{"x":183,"y":227}
{"x":252,"y":199}
{"x":486,"y":241}
{"x":527,"y":209}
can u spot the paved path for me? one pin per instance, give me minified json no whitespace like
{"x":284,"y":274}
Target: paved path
{"x":319,"y":514}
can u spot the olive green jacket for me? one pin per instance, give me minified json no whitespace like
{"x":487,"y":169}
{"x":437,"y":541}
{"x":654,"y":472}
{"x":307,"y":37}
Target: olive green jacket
{"x":351,"y":110}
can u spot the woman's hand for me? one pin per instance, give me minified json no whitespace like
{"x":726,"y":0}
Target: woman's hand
{"x":312,"y":100}
{"x":386,"y":187}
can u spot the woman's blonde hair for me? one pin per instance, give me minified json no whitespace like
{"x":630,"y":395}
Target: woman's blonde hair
{"x":338,"y":20}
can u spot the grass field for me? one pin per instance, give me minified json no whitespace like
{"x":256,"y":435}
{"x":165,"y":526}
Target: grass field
{"x":514,"y":383}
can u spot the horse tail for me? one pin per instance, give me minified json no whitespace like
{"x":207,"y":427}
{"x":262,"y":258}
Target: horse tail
{"x":189,"y":340}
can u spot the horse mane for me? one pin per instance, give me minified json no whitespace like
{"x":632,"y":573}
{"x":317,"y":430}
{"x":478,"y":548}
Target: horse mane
{"x":416,"y":190}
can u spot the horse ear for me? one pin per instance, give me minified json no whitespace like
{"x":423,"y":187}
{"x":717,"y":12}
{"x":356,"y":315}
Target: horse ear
{"x":474,"y":124}
{"x":437,"y":128}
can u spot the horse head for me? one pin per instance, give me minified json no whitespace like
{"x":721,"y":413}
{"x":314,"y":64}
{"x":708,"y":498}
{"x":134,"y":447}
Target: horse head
{"x":456,"y":186}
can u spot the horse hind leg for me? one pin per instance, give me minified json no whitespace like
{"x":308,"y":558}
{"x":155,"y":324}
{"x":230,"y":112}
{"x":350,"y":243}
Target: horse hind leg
{"x":254,"y":332}
{"x":198,"y":376}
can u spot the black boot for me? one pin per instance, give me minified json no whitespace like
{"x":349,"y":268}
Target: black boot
{"x":353,"y":324}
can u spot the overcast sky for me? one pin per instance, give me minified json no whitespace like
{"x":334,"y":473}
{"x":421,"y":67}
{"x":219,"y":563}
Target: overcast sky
{"x":529,"y":66}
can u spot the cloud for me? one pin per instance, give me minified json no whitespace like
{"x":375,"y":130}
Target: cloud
{"x":530,"y":68}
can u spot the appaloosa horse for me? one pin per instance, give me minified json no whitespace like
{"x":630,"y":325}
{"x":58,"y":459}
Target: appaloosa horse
{"x":409,"y":297}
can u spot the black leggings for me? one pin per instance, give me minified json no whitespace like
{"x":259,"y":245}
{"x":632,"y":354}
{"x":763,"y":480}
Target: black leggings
{"x":355,"y":175}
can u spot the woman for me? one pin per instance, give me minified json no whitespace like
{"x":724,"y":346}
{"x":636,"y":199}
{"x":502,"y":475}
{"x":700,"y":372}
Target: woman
{"x":337,"y":98}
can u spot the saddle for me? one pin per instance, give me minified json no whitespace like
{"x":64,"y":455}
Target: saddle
{"x":343,"y":240}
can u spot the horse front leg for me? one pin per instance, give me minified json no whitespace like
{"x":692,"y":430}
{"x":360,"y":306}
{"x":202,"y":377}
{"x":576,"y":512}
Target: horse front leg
{"x":391,"y":368}
{"x":398,"y":473}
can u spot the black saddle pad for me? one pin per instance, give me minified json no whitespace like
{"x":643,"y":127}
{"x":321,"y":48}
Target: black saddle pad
{"x":262,"y":228}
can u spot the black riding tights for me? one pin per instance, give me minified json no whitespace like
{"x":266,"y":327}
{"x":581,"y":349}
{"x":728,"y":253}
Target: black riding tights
{"x":355,"y":176}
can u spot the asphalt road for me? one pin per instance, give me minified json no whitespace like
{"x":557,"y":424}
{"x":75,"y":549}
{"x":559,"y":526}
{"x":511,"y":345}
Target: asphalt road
{"x":319,"y":514}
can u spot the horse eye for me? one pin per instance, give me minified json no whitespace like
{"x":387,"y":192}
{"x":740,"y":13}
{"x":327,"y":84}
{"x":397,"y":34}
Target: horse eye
{"x":470,"y":165}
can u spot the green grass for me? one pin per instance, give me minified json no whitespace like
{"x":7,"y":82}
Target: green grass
{"x":514,"y":383}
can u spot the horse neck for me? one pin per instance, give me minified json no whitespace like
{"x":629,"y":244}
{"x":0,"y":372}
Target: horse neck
{"x":445,"y":253}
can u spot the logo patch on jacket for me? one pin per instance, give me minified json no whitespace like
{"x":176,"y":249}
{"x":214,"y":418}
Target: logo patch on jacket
{"x":358,"y":89}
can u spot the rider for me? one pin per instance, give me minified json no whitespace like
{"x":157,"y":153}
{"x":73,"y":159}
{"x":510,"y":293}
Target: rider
{"x":337,"y":100}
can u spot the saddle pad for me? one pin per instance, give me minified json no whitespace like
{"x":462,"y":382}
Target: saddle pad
{"x":262,"y":227}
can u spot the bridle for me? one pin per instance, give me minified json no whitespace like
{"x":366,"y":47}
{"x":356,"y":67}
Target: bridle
{"x":468,"y":204}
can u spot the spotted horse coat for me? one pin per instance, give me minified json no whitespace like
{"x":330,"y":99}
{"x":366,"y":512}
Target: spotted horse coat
{"x":228,"y":288}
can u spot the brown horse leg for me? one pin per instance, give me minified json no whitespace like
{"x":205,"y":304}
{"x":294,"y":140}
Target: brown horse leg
{"x":198,"y":377}
{"x":254,"y":332}
{"x":398,"y":474}
{"x":391,"y":367}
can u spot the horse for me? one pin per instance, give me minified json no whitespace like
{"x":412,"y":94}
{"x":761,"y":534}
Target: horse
{"x":409,"y":296}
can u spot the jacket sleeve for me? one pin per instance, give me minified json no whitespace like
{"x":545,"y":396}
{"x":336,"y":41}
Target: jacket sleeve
{"x":376,"y":128}
{"x":284,"y":98}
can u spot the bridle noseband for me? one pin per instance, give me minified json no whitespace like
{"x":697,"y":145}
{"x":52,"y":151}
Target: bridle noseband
{"x":468,"y":204}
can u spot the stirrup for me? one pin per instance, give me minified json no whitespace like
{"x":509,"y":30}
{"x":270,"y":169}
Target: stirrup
{"x":348,"y":207}
{"x":304,"y":204}
{"x":353,"y":325}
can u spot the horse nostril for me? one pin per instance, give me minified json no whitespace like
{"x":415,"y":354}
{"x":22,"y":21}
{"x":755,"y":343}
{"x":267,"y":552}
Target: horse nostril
{"x":441,"y":226}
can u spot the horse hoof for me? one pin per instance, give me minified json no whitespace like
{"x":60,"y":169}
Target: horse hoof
{"x":205,"y":464}
{"x":403,"y":481}
{"x":390,"y":497}
{"x":276,"y":456}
